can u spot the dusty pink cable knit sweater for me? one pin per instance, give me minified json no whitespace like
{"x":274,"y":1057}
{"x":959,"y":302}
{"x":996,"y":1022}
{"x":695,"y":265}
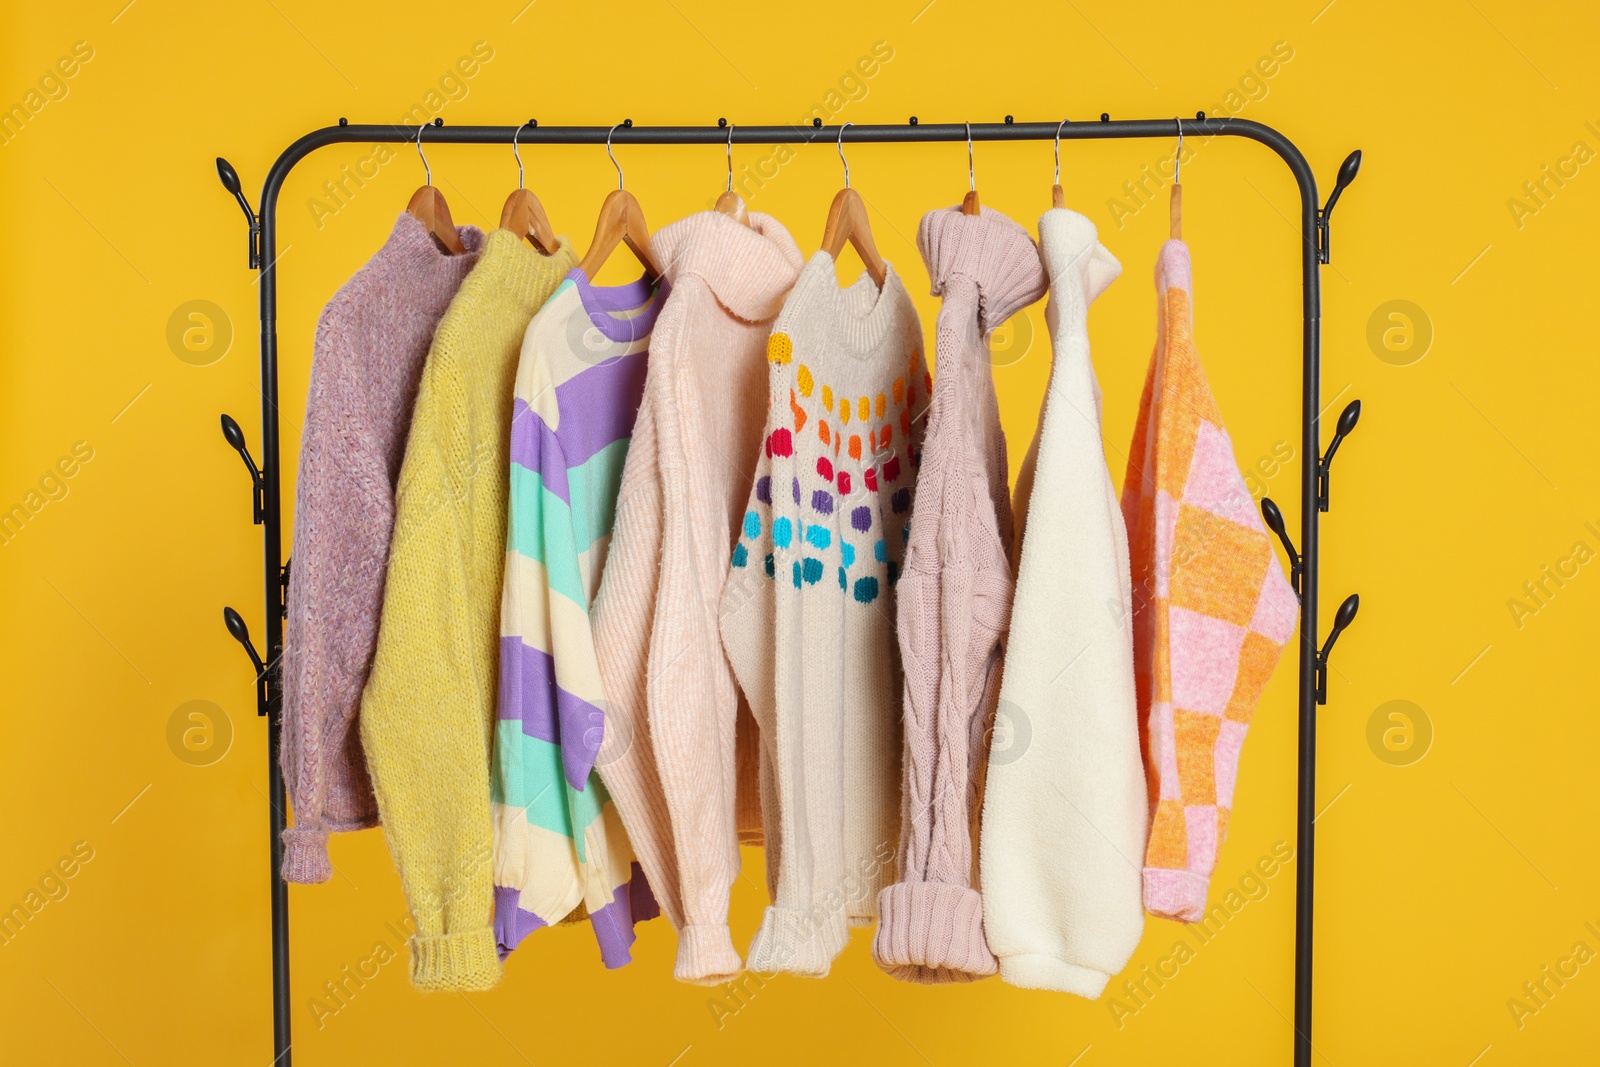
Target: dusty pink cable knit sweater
{"x":680,"y":755}
{"x":954,"y":601}
{"x":371,"y":343}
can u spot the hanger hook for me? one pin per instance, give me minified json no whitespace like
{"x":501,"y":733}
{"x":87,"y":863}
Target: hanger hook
{"x":843,"y":160}
{"x":613,"y":155}
{"x":972,"y":180}
{"x":427,"y":171}
{"x":515,"y":134}
{"x":1177,"y":159}
{"x":1058,"y":151}
{"x":730,"y":157}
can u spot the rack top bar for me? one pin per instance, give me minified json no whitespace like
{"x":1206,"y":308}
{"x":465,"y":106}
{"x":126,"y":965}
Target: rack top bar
{"x":624,"y":134}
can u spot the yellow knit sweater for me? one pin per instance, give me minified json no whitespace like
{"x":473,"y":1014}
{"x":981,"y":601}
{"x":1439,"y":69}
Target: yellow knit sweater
{"x":428,"y":709}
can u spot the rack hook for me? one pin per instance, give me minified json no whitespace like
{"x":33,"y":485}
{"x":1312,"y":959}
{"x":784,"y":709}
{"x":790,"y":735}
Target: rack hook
{"x":843,"y":160}
{"x":730,"y":157}
{"x":1347,"y":422}
{"x":1341,"y":620}
{"x":427,"y":171}
{"x":1347,"y":174}
{"x":1274,"y":518}
{"x":1177,"y":158}
{"x":241,"y":633}
{"x":972,"y":179}
{"x":514,"y":135}
{"x":1062,"y":123}
{"x":235,"y":438}
{"x":612,"y":154}
{"x":230,"y":182}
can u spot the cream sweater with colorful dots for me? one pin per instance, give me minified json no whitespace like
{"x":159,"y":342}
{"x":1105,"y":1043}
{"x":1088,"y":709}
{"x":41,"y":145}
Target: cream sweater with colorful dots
{"x":808,"y":611}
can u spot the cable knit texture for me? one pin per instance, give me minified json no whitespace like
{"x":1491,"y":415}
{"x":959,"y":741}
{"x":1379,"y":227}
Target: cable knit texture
{"x":1064,"y":817}
{"x":954,"y":601}
{"x":371,"y":342}
{"x":808,"y":610}
{"x":1213,"y":607}
{"x":428,"y":709}
{"x":671,"y":761}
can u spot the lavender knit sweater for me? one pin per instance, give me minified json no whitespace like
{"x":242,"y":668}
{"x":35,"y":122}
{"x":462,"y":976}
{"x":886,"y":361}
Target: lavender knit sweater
{"x":954,"y":601}
{"x":371,"y":342}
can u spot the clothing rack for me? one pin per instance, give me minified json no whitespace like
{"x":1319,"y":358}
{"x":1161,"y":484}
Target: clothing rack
{"x":266,"y":481}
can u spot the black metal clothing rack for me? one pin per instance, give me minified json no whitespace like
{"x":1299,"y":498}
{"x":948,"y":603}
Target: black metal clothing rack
{"x":266,"y":480}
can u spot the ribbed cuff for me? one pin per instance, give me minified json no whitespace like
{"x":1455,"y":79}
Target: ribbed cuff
{"x":1179,"y":895}
{"x":305,"y":856}
{"x":932,"y":932}
{"x":798,"y":942}
{"x":706,"y":955}
{"x":465,"y":961}
{"x":1033,"y":970}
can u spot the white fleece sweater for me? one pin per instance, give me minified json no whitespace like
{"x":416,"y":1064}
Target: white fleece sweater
{"x":1065,"y":813}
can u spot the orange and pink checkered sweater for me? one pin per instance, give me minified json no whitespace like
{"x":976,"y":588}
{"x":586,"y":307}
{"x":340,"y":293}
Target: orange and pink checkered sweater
{"x":1212,"y":607}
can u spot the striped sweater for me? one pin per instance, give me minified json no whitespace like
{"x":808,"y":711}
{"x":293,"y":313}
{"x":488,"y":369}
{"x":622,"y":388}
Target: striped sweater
{"x":558,"y":841}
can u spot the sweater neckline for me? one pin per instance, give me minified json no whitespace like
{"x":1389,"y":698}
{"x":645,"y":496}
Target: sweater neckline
{"x":412,"y":240}
{"x":602,"y":302}
{"x":863,"y":313}
{"x":749,"y":269}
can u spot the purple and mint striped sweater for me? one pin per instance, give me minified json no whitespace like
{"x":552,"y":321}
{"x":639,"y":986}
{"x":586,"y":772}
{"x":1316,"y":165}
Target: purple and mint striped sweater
{"x":559,"y":842}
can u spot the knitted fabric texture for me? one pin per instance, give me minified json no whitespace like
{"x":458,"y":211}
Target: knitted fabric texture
{"x":558,"y":841}
{"x":808,"y":610}
{"x":671,"y":761}
{"x":428,"y":709}
{"x":1213,"y":609}
{"x":1064,"y":818}
{"x":954,"y":601}
{"x":371,"y":342}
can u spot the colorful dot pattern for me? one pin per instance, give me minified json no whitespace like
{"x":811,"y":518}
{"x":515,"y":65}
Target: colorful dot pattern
{"x":852,"y":514}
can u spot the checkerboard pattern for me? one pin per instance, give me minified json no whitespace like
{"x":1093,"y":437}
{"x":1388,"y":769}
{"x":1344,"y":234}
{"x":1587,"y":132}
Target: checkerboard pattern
{"x":1213,"y":608}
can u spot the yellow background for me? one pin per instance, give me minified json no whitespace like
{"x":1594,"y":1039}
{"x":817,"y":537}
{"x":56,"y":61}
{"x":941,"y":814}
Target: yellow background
{"x":1443,"y":885}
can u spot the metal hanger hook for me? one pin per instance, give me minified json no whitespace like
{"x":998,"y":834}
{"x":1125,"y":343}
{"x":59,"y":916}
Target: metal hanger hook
{"x":613,"y":155}
{"x":730,"y":157}
{"x":1177,"y":159}
{"x":1058,"y":151}
{"x":427,"y":171}
{"x":517,"y":133}
{"x":972,"y":179}
{"x":843,"y":160}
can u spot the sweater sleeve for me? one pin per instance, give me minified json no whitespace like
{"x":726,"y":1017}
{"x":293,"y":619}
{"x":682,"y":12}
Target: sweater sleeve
{"x":797,"y":934}
{"x":693,"y":708}
{"x":425,"y":713}
{"x":536,"y":864}
{"x":343,"y":513}
{"x":621,"y":618}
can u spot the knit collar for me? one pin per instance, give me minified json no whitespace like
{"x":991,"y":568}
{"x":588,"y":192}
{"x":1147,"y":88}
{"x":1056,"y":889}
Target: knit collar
{"x":987,"y":252}
{"x":527,"y":274}
{"x":748,"y":268}
{"x":1074,"y":255}
{"x":411,"y":243}
{"x":860,"y":316}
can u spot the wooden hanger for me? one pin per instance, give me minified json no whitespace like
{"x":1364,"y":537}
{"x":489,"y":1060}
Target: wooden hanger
{"x":969,"y":203}
{"x":621,"y":222}
{"x":847,"y":222}
{"x":731,"y":203}
{"x":523,"y":215}
{"x":1175,"y":210}
{"x":1057,"y":197}
{"x":428,"y":207}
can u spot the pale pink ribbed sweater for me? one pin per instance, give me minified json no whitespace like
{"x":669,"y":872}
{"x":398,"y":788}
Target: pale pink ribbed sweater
{"x":954,"y":601}
{"x":371,"y":343}
{"x":679,"y":756}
